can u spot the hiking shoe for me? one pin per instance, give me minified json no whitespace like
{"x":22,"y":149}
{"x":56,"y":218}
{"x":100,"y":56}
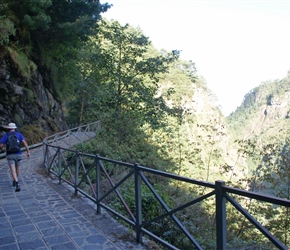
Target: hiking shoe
{"x":17,"y":188}
{"x":14,"y":183}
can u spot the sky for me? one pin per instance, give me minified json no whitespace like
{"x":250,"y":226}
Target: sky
{"x":235,"y":45}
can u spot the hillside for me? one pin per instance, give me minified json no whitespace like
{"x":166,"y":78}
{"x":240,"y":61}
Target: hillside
{"x":203,"y":141}
{"x":75,"y":78}
{"x":264,"y":112}
{"x":261,"y":126}
{"x":61,"y":65}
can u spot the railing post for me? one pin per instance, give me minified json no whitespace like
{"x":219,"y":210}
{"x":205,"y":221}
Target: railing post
{"x":98,"y":178}
{"x":221,"y":231}
{"x":77,"y":172}
{"x":45,"y":152}
{"x":59,"y":165}
{"x":138,"y":203}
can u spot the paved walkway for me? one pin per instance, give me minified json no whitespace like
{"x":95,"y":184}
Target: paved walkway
{"x":46,"y":215}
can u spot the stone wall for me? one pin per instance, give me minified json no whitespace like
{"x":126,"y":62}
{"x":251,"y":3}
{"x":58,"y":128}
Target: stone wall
{"x":28,"y":102}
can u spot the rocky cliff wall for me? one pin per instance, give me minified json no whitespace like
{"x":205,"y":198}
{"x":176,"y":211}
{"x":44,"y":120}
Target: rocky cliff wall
{"x":28,"y":102}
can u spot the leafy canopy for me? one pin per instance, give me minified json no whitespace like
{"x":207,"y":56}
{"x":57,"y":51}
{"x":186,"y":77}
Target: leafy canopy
{"x":122,"y":72}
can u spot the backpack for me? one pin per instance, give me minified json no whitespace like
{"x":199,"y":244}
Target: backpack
{"x":13,"y":144}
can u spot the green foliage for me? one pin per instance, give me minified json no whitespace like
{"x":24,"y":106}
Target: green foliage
{"x":133,"y":72}
{"x":145,"y":152}
{"x":29,"y":95}
{"x":48,"y":32}
{"x":155,"y":111}
{"x":180,"y":80}
{"x":24,"y":65}
{"x":150,"y":205}
{"x":270,"y":176}
{"x":273,"y":170}
{"x":6,"y":30}
{"x":120,"y":72}
{"x":34,"y":14}
{"x":256,"y":105}
{"x":33,"y":134}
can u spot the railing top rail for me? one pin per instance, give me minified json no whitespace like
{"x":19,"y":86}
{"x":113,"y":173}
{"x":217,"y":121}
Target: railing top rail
{"x":258,"y":196}
{"x":94,"y":125}
{"x":73,"y":136}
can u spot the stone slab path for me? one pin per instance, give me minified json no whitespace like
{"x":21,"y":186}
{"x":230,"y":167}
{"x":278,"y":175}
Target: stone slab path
{"x":47,"y":215}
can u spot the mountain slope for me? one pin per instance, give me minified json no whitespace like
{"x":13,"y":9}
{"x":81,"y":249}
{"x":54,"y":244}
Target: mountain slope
{"x":264,"y":111}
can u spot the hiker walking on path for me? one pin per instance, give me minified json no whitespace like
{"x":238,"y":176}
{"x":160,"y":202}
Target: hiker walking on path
{"x":13,"y":140}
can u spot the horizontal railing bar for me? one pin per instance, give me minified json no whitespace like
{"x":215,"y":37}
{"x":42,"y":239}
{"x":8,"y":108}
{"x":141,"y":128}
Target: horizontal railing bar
{"x":116,"y":162}
{"x":257,"y":196}
{"x":131,"y":223}
{"x":65,"y":131}
{"x":62,"y":148}
{"x":161,"y":173}
{"x":86,"y":195}
{"x":2,"y":155}
{"x":177,"y":177}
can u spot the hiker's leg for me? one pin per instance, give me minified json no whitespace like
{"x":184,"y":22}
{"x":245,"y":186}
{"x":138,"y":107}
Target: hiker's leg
{"x":18,"y":162}
{"x":17,"y":170}
{"x":12,"y":161}
{"x":13,"y":172}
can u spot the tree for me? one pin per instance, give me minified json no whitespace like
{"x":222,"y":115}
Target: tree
{"x":126,"y":71}
{"x":48,"y":33}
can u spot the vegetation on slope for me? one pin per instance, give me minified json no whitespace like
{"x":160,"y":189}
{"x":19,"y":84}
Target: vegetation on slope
{"x":155,"y":110}
{"x":188,"y":135}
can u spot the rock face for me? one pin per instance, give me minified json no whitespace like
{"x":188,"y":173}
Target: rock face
{"x":28,"y":102}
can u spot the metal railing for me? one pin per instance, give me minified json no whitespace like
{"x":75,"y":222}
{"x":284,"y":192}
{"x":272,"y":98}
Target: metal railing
{"x":104,"y":181}
{"x":67,"y":138}
{"x":71,"y":137}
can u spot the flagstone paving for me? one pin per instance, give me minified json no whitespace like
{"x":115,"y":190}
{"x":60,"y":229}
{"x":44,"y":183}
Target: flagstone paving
{"x":47,"y":215}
